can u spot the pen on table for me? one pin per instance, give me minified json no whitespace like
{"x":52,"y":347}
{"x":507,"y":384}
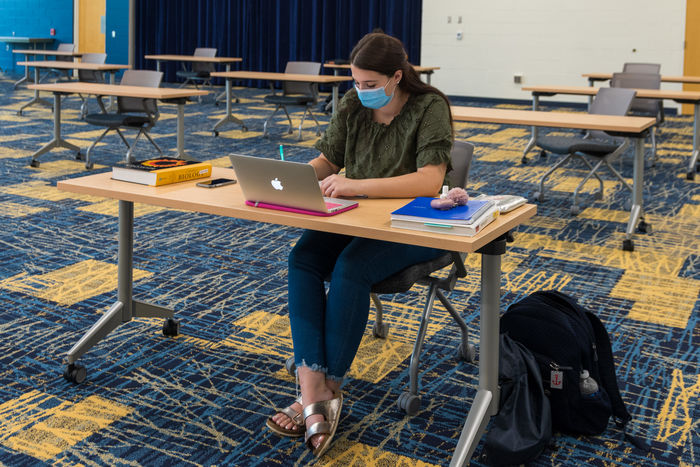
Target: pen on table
{"x":281,"y":152}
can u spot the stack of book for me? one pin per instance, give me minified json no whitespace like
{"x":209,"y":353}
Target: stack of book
{"x":467,"y":220}
{"x":161,"y":171}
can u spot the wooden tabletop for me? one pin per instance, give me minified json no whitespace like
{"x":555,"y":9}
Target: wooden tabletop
{"x":692,"y":96}
{"x":77,"y":87}
{"x":370,"y":220}
{"x":73,"y":65}
{"x":280,"y":76}
{"x":57,"y":53}
{"x":666,"y":79}
{"x":418,"y":68}
{"x":584,"y":121}
{"x":192,"y":58}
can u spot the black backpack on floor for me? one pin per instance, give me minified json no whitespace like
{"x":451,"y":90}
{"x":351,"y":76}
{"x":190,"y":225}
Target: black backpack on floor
{"x":573,"y":350}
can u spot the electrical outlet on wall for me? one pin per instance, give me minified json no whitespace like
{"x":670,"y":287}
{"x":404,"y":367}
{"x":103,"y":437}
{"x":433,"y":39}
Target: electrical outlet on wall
{"x":518,"y":78}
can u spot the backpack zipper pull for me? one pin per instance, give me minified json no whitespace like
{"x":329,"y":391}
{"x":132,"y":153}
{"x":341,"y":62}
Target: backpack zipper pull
{"x":595,"y":352}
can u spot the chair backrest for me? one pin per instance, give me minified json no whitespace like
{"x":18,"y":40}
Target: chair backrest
{"x":461,"y":161}
{"x":91,"y":76}
{"x":146,"y":78}
{"x":203,"y":66}
{"x":610,"y":101}
{"x":302,"y":68}
{"x":651,"y":107}
{"x":65,"y":47}
{"x":641,"y":68}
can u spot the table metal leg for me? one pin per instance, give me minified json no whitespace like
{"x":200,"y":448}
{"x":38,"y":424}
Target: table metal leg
{"x":57,"y":141}
{"x":486,"y":401}
{"x":24,"y":78}
{"x":335,"y":98}
{"x":534,"y":131}
{"x":125,"y":308}
{"x":229,"y":117}
{"x":591,"y":83}
{"x":36,"y":99}
{"x":637,"y":211}
{"x":112,"y":100}
{"x":692,"y":165}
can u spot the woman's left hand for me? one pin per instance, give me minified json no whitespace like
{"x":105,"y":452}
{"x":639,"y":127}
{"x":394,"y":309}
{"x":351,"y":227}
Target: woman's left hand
{"x":335,"y":186}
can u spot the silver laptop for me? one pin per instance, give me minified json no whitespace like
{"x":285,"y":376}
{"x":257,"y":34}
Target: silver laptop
{"x":284,"y":185}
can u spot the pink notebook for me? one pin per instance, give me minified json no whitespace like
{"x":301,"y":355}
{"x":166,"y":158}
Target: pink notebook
{"x":304,"y":211}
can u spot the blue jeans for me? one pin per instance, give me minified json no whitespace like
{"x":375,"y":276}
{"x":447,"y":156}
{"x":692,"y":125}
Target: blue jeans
{"x":327,"y":330}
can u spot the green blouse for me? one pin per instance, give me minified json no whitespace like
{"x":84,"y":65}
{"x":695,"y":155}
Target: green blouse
{"x":419,"y":135}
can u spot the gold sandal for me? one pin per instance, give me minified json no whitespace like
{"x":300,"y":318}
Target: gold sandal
{"x":330,"y":409}
{"x":297,"y":431}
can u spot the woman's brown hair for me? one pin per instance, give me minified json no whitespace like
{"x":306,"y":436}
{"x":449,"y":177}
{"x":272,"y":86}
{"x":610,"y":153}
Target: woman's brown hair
{"x":385,"y":54}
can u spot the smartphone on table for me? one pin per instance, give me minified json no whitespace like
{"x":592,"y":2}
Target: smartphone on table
{"x":216,"y":182}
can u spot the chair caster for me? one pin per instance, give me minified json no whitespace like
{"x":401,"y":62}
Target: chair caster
{"x":523,"y":160}
{"x":19,"y":113}
{"x":627,"y":245}
{"x":598,"y":195}
{"x":538,"y":196}
{"x":34,"y":163}
{"x":409,"y":403}
{"x":171,"y":327}
{"x":89,"y":166}
{"x":244,"y":128}
{"x":79,"y":156}
{"x":237,"y":101}
{"x":644,"y":227}
{"x":690,"y":176}
{"x":75,"y":373}
{"x":215,"y":133}
{"x":290,"y":366}
{"x":380,"y":330}
{"x":543,"y":154}
{"x":575,"y":210}
{"x":468,"y":355}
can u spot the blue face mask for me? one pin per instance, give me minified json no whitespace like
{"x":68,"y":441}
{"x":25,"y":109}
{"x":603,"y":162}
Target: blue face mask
{"x":374,"y":98}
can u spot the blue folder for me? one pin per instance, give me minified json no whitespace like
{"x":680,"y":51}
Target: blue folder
{"x":419,"y":210}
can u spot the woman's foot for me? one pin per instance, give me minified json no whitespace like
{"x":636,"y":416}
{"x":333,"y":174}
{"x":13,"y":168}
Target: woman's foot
{"x":323,"y":394}
{"x":289,"y":421}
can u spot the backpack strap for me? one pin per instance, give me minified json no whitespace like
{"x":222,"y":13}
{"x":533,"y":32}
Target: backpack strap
{"x":606,"y":369}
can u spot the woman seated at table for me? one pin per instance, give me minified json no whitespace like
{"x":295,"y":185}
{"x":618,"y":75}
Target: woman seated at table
{"x":392,"y":134}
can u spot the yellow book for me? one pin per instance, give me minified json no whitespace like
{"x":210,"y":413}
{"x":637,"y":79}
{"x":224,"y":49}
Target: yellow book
{"x":161,"y":171}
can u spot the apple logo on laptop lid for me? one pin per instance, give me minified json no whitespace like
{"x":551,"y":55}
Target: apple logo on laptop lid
{"x":276,"y":184}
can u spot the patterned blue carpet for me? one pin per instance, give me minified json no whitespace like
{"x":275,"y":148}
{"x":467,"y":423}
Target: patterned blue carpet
{"x":202,"y":398}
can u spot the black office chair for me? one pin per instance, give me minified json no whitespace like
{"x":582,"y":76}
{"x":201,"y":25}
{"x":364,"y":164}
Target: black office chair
{"x":423,"y":274}
{"x":90,"y":76}
{"x":132,"y":112}
{"x":596,"y":144}
{"x":296,"y":94}
{"x":643,"y":107}
{"x":198,"y":72}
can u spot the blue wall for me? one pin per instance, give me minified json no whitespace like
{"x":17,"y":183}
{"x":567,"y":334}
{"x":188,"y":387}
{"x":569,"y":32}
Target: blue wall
{"x":117,"y":20}
{"x":34,"y":18}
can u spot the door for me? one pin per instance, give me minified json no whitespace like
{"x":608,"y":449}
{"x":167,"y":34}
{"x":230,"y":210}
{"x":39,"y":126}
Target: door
{"x":91,"y":36}
{"x":692,"y":48}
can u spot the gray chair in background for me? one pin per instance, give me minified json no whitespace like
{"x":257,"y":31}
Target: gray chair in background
{"x":595,"y":144}
{"x":59,"y":73}
{"x":641,"y":68}
{"x":643,"y":107}
{"x":296,"y":94}
{"x":426,"y":274}
{"x":90,"y":76}
{"x":132,"y":112}
{"x":198,"y":72}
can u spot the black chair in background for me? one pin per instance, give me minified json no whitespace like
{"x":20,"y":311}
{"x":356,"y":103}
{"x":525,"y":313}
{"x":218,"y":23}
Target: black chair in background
{"x":427,"y":274}
{"x":641,"y":68}
{"x":199,"y":72}
{"x":595,"y":144}
{"x":61,"y":73}
{"x":643,"y":107}
{"x":296,"y":94}
{"x":90,"y":76}
{"x":132,"y":112}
